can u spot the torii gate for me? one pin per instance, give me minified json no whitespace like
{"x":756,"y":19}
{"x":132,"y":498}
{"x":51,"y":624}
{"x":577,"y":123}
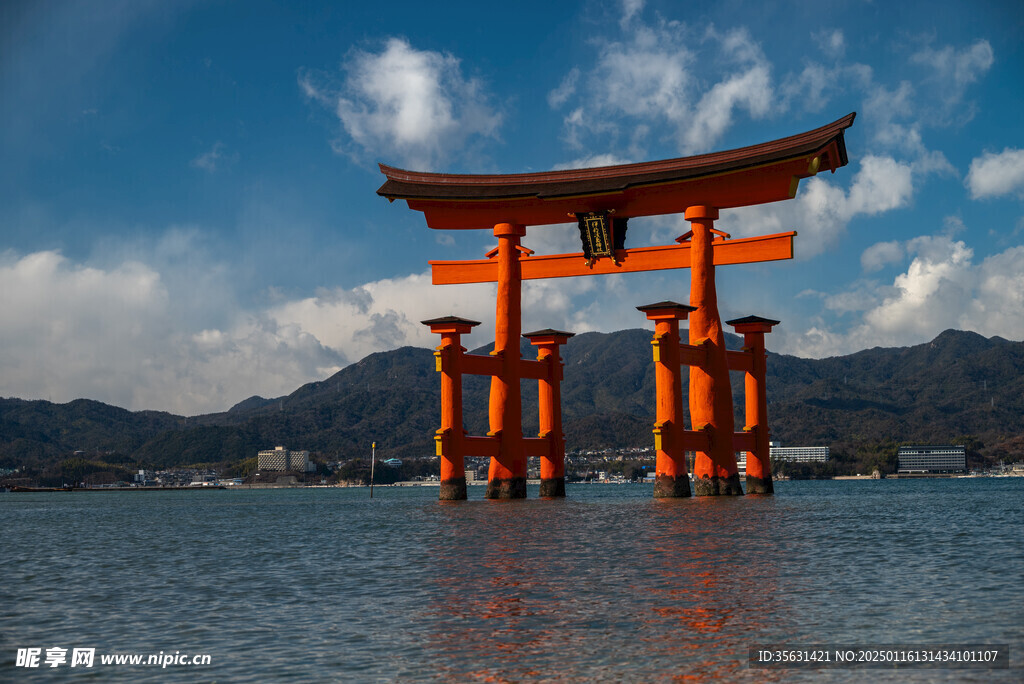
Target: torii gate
{"x":602,"y":200}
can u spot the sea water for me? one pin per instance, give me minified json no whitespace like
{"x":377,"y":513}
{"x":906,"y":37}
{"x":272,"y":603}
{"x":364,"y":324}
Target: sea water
{"x":608,"y":584}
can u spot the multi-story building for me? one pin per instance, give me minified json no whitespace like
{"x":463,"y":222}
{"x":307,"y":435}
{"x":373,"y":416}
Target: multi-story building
{"x":815,"y":454}
{"x":280,"y":458}
{"x":808,"y":454}
{"x":932,"y":459}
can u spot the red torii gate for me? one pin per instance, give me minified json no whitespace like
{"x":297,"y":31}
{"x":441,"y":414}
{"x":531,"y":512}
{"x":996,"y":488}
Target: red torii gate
{"x":601,"y":198}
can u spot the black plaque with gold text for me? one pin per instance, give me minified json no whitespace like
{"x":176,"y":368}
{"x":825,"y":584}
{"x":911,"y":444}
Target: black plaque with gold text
{"x":599,"y":234}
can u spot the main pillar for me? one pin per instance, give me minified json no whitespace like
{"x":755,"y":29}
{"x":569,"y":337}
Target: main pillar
{"x":671,"y":479}
{"x":759,"y":468}
{"x":715,"y":472}
{"x":506,"y":478}
{"x":549,"y":401}
{"x":449,"y":438}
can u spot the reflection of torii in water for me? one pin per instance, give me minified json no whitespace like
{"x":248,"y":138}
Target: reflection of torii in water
{"x":602,"y":199}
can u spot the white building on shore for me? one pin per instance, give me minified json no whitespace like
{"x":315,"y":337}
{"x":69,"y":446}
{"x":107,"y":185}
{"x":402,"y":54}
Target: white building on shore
{"x":811,"y":454}
{"x":931,"y":459}
{"x":280,"y":458}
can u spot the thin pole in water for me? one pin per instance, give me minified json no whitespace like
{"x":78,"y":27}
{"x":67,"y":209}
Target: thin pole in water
{"x":373,"y":454}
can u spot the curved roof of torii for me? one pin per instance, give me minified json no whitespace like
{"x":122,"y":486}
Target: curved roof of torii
{"x":761,"y":173}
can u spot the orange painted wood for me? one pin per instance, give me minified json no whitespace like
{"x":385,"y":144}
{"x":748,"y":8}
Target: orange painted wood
{"x":710,"y":391}
{"x":695,"y":440}
{"x":484,"y":447}
{"x":505,"y":405}
{"x":534,"y":370}
{"x":670,"y":459}
{"x":537,"y":446}
{"x":549,"y":407}
{"x":739,"y":251}
{"x":477,"y":364}
{"x":450,"y":445}
{"x":744,"y":441}
{"x":766,"y":172}
{"x":693,"y":355}
{"x":740,"y":360}
{"x":756,"y":408}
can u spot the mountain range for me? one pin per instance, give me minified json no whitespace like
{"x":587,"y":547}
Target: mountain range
{"x":960,"y":385}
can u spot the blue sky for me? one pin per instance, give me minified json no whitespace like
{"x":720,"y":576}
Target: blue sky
{"x":188,"y":213}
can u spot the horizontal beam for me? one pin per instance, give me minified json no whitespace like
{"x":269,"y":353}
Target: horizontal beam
{"x":537,"y":446}
{"x":530,"y":369}
{"x":744,"y":441}
{"x":696,"y":440}
{"x":740,"y":360}
{"x":478,"y":364}
{"x":693,"y":355}
{"x":738,"y":251}
{"x":484,"y":447}
{"x":490,"y":447}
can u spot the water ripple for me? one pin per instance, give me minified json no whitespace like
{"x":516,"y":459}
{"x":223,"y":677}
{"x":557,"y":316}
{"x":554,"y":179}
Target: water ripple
{"x":606,"y":585}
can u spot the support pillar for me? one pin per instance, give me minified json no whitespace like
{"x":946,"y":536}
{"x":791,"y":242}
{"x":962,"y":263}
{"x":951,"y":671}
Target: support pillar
{"x":759,"y":468}
{"x":671,"y":479}
{"x":449,"y":438}
{"x":506,"y":478}
{"x":549,"y":400}
{"x":715,"y":471}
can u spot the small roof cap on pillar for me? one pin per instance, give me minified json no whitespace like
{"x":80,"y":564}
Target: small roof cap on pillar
{"x":752,"y":324}
{"x":666,"y":309}
{"x":549,"y":336}
{"x":450,"y":324}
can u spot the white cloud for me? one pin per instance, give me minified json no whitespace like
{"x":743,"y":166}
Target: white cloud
{"x":933,"y":293}
{"x":115,"y":334}
{"x":881,"y":254}
{"x":832,"y":43}
{"x":995,"y":174}
{"x":749,"y":89}
{"x":811,"y":86}
{"x":386,"y":314}
{"x":561,"y":238}
{"x":630,"y":8}
{"x":165,"y":332}
{"x":648,"y":75}
{"x":593,"y":160}
{"x":412,"y":104}
{"x":998,"y":307}
{"x":651,"y":78}
{"x":565,"y":89}
{"x":382,"y":315}
{"x":821,"y":210}
{"x":956,"y":69}
{"x":208,"y":161}
{"x":816,"y":84}
{"x":943,"y":287}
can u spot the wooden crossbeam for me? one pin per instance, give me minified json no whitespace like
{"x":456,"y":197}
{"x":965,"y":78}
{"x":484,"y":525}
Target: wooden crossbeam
{"x":477,"y":364}
{"x":484,"y":447}
{"x":738,"y":251}
{"x":744,"y":441}
{"x":489,"y":447}
{"x":740,"y":360}
{"x":537,"y":446}
{"x":693,"y":355}
{"x":697,"y":440}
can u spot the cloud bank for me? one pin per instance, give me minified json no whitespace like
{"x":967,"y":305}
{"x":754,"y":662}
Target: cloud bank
{"x":944,"y":286}
{"x":997,"y":174}
{"x":414,"y":106}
